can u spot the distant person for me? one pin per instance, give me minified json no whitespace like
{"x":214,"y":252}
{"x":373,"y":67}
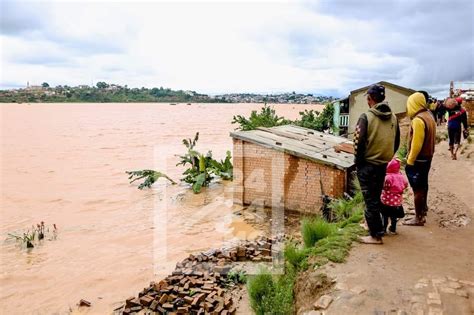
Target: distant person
{"x":439,"y":113}
{"x":392,"y":196}
{"x":376,"y":139}
{"x":426,"y":95}
{"x":434,"y":106}
{"x":457,"y":118}
{"x":421,"y":146}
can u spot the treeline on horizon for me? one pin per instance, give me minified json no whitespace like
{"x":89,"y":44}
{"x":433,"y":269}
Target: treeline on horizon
{"x":101,"y":93}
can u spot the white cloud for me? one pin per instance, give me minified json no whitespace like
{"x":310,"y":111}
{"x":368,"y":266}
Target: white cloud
{"x":215,"y":47}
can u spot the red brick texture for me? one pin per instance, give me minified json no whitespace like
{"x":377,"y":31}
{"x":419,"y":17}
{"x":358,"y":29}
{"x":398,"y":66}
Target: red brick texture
{"x":266,"y":177}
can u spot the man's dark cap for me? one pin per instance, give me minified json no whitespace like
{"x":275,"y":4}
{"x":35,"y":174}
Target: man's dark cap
{"x":376,"y":90}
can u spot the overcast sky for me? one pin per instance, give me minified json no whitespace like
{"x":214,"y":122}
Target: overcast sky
{"x":327,"y":47}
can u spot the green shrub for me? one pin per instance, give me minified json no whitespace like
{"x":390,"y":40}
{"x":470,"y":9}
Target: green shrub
{"x":343,"y":209}
{"x":314,"y":229}
{"x":295,"y":256}
{"x":272,"y":294}
{"x":335,"y":247}
{"x":358,"y":198}
{"x":266,"y":118}
{"x":261,"y":290}
{"x":236,"y":277}
{"x":356,"y":217}
{"x":315,"y":120}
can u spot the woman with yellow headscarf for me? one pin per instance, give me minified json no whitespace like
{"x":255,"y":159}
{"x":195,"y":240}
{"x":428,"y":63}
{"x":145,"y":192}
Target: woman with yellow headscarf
{"x":420,"y":153}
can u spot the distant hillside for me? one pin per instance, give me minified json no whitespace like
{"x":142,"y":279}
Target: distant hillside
{"x":114,"y":93}
{"x":101,"y":93}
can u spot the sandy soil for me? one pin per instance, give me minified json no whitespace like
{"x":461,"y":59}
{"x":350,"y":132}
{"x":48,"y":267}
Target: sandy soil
{"x":423,"y":270}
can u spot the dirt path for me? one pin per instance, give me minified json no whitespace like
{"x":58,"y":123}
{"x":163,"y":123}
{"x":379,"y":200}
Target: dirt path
{"x":423,"y":270}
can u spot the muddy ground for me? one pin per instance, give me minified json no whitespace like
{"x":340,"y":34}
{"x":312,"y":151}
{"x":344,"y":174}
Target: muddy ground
{"x":422,"y":270}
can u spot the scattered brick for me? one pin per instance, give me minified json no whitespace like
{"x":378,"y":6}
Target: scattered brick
{"x":198,"y":285}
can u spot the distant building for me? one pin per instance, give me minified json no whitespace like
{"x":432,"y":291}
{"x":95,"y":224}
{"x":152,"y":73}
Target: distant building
{"x":347,"y":110}
{"x":34,"y":87}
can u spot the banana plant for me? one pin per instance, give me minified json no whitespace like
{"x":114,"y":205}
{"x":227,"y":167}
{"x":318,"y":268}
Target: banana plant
{"x":224,"y":169}
{"x":198,"y":173}
{"x":150,"y":176}
{"x":201,"y":169}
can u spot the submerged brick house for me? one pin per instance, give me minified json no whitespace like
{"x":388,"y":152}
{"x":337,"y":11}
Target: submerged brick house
{"x":290,"y":166}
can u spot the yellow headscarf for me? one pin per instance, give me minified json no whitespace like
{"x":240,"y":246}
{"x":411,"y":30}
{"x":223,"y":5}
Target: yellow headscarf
{"x":415,"y":103}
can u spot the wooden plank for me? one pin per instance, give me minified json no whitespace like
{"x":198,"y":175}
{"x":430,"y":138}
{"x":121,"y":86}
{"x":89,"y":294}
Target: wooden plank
{"x":303,"y":144}
{"x":283,"y":133}
{"x":314,"y":144}
{"x":319,"y":144}
{"x":344,"y":158}
{"x":344,"y":147}
{"x":294,"y":145}
{"x":316,"y":135}
{"x":306,"y":148}
{"x":323,"y":144}
{"x":288,"y":148}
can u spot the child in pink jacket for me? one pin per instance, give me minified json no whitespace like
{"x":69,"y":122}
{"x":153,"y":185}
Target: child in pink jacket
{"x":392,"y":196}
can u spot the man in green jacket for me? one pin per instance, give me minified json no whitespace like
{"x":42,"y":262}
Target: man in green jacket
{"x":376,"y":139}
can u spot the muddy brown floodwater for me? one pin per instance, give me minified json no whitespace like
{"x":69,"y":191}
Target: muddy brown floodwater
{"x":65,"y":164}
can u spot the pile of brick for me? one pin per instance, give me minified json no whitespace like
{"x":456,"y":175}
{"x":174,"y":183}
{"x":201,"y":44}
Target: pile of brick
{"x":199,"y":283}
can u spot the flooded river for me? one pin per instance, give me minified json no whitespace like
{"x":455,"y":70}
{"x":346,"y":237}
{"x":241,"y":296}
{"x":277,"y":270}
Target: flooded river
{"x":65,"y":164}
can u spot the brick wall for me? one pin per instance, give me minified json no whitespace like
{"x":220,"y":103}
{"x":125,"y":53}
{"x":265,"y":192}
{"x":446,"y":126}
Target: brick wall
{"x":266,"y":177}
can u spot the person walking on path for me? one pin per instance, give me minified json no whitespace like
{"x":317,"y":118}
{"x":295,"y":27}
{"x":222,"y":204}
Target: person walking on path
{"x":457,"y":117}
{"x":421,"y":146}
{"x":376,"y":139}
{"x":392,"y":196}
{"x":440,"y":112}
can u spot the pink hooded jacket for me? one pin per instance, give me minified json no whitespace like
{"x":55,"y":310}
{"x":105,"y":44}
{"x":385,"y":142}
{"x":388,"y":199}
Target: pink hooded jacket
{"x":394,"y":185}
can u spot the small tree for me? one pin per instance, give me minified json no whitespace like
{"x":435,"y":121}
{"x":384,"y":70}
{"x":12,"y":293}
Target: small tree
{"x":102,"y":85}
{"x":45,"y":85}
{"x":315,"y":120}
{"x":266,"y":118}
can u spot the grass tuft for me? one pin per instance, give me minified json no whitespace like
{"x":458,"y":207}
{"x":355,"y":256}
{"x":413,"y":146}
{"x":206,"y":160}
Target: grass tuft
{"x":296,"y":256}
{"x":323,"y":242}
{"x":271,"y":294}
{"x":314,"y":229}
{"x":343,"y":209}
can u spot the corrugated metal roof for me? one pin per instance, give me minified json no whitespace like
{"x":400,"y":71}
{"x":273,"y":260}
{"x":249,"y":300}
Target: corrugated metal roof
{"x":302,"y":142}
